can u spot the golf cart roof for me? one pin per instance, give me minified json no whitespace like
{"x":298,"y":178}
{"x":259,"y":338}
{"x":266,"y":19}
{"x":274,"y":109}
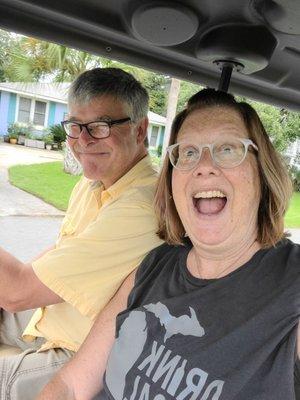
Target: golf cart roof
{"x":188,"y":39}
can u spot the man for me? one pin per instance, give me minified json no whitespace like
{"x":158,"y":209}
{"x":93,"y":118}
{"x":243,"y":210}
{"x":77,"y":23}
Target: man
{"x":108,"y":228}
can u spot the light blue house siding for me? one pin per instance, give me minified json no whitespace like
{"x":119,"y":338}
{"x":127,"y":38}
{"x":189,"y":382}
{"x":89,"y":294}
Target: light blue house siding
{"x":57,"y":112}
{"x":7,"y":110}
{"x":51,"y":116}
{"x":11,"y":108}
{"x":161,"y":136}
{"x":60,"y":111}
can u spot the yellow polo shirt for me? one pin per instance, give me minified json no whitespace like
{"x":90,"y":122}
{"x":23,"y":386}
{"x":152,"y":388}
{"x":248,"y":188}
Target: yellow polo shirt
{"x":104,"y":236}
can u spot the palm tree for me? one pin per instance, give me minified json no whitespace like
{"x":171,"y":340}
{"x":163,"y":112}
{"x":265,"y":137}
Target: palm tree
{"x":32,"y":60}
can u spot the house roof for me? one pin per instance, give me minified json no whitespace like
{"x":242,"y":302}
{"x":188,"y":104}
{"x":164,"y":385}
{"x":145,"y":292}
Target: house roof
{"x":56,"y":92}
{"x":156,"y":118}
{"x":47,"y":91}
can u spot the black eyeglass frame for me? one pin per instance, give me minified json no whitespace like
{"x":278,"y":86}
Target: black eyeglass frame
{"x":108,"y":122}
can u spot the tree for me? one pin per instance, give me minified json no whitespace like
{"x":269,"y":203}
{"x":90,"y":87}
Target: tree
{"x":187,"y":89}
{"x":7,"y":42}
{"x":32,"y":60}
{"x":156,"y":84}
{"x":157,"y":88}
{"x":292,"y":126}
{"x":283,"y":126}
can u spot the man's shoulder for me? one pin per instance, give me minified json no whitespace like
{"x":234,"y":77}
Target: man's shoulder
{"x":141,"y":190}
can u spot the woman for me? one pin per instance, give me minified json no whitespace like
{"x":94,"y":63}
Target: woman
{"x":214,"y":312}
{"x":217,"y":313}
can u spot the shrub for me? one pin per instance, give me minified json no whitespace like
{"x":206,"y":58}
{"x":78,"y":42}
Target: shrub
{"x":296,"y":181}
{"x":48,"y":138}
{"x":159,"y":150}
{"x":154,"y":158}
{"x":58,"y":134}
{"x":295,"y":175}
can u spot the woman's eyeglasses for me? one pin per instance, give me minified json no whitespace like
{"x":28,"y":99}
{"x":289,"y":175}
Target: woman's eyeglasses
{"x":226,"y":153}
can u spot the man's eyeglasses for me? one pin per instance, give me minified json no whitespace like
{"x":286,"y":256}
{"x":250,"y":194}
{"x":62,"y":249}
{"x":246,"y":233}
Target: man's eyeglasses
{"x":226,"y":153}
{"x":97,"y":129}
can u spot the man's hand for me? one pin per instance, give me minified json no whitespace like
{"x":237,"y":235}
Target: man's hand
{"x":20,"y":288}
{"x":82,"y":377}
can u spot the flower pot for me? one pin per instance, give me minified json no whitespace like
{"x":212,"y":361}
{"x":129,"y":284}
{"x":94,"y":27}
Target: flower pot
{"x":21,"y":139}
{"x":13,"y":141}
{"x":40,"y":144}
{"x":48,"y":146}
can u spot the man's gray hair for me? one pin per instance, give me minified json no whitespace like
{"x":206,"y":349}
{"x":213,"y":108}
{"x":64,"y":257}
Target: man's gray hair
{"x":110,"y":81}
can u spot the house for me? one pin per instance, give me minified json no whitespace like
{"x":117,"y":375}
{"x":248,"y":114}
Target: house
{"x":39,"y":104}
{"x":293,"y":154}
{"x":45,"y":104}
{"x":156,"y":130}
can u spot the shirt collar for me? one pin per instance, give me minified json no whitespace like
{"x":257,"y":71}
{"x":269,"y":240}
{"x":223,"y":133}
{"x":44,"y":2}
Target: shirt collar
{"x":125,"y":181}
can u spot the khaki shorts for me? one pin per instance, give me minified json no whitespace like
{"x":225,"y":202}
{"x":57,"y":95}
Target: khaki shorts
{"x":23,"y":376}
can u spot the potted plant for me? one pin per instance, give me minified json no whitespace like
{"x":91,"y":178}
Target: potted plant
{"x":19,"y":132}
{"x":48,"y":139}
{"x":13,"y":133}
{"x":24,"y":132}
{"x":13,"y":138}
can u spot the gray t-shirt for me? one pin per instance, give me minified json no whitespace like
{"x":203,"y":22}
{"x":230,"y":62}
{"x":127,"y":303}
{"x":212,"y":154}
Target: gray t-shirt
{"x":232,"y":338}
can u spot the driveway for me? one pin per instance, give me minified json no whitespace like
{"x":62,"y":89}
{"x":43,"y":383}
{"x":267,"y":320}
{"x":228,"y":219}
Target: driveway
{"x":27,"y":224}
{"x":14,"y":201}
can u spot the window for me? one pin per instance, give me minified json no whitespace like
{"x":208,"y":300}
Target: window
{"x":24,"y":109}
{"x":153,"y":137}
{"x":39,"y":113}
{"x":31,"y":110}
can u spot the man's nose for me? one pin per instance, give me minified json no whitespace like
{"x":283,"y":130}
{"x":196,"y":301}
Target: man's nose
{"x":84,"y":137}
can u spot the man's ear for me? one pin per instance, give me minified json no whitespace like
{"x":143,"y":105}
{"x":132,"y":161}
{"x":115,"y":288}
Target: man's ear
{"x":142,"y":129}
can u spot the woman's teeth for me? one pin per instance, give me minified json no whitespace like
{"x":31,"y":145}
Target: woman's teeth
{"x":209,"y":194}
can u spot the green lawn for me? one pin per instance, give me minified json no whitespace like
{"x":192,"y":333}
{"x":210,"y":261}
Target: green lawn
{"x":292,"y":219}
{"x":47,"y":181}
{"x":50,"y":183}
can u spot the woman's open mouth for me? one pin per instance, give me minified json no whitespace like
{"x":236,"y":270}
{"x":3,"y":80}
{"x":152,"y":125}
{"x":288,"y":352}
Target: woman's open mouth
{"x":210,"y":202}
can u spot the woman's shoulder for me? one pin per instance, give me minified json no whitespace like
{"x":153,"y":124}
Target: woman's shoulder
{"x":284,"y":256}
{"x":285,"y":248}
{"x":161,"y":257}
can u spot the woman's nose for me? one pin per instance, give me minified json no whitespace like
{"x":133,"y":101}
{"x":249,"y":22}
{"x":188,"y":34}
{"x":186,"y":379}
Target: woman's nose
{"x":206,"y":164}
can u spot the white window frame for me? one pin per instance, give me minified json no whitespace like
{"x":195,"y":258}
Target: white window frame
{"x":32,"y":108}
{"x":157,"y":138}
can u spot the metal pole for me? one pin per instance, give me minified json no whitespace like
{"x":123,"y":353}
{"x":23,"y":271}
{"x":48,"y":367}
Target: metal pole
{"x":225,"y":78}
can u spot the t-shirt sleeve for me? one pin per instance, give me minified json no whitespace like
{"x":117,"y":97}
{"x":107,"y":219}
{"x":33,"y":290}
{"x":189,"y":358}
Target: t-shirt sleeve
{"x":86,"y":270}
{"x":148,"y":267}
